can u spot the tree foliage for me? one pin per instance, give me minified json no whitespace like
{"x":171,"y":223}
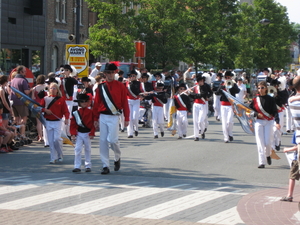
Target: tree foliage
{"x":113,"y":34}
{"x":224,"y":33}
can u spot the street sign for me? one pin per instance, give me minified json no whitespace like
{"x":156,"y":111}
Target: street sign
{"x":78,"y":56}
{"x":140,"y":49}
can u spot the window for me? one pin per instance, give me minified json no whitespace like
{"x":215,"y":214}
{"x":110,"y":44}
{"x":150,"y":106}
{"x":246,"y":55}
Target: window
{"x":63,"y":11}
{"x":60,"y":11}
{"x":57,"y":10}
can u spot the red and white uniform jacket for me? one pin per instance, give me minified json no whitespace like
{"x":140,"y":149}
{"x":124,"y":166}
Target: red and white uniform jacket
{"x":58,"y":108}
{"x":134,"y":88}
{"x":86,"y":116}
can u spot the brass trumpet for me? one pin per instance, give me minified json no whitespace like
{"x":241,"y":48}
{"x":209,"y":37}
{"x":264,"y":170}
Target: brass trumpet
{"x":272,"y":91}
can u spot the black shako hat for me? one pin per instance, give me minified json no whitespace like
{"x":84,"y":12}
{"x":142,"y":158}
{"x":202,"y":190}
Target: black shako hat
{"x":68,"y":67}
{"x":133,"y":72}
{"x":182,"y":85}
{"x":158,"y":74}
{"x":274,"y":82}
{"x":85,"y":79}
{"x":110,"y":67}
{"x":82,"y":97}
{"x":228,"y":73}
{"x":200,"y":77}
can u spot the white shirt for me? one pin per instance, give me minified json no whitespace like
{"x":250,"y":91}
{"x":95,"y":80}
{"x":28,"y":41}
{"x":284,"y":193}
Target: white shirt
{"x":240,"y":95}
{"x":94,"y":72}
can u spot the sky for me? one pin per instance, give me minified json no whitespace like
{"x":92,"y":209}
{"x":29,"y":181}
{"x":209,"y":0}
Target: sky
{"x":293,"y":9}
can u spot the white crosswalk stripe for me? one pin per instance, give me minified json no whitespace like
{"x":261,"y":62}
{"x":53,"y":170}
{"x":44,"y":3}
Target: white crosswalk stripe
{"x":226,"y":217}
{"x":131,"y":192}
{"x":177,"y":205}
{"x":43,"y":198}
{"x":102,"y":203}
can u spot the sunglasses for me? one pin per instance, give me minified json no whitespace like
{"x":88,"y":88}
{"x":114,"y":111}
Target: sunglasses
{"x":260,"y":88}
{"x":83,"y":101}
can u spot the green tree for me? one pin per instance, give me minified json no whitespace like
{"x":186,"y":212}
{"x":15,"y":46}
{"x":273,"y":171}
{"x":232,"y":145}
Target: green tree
{"x":272,"y":47}
{"x":200,"y":36}
{"x":113,"y":34}
{"x":246,"y":37}
{"x":226,"y":31}
{"x":161,"y":22}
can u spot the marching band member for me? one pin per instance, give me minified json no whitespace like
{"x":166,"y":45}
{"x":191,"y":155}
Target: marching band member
{"x":133,"y":90}
{"x":207,"y":83}
{"x":82,"y":126}
{"x":289,"y":120}
{"x":183,"y":105}
{"x":110,"y":99}
{"x":146,"y":87}
{"x":199,"y":94}
{"x":55,"y":109}
{"x":216,"y":97}
{"x":280,"y":102}
{"x":159,"y":98}
{"x":226,"y":108}
{"x":266,"y":111}
{"x":67,"y":89}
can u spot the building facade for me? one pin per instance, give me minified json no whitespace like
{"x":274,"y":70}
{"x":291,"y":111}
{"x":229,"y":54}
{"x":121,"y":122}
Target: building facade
{"x":34,"y":33}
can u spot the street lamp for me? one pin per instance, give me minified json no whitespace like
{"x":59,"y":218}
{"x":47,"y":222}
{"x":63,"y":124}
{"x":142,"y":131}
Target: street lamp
{"x":265,"y":21}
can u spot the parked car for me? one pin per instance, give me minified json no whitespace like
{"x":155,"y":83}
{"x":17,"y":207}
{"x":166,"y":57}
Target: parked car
{"x":125,"y":66}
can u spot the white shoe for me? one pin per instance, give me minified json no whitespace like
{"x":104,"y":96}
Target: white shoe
{"x":60,"y":160}
{"x":52,"y":162}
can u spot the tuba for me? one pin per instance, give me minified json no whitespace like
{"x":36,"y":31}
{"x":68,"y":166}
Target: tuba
{"x":229,"y":84}
{"x":272,"y":91}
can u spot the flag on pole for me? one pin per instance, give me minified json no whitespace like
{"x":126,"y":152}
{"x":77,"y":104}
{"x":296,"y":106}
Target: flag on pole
{"x":36,"y":110}
{"x":244,"y":114}
{"x":33,"y":106}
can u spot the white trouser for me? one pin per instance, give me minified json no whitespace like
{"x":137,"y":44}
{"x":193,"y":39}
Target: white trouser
{"x":109,"y":134}
{"x":217,"y":106}
{"x":53,"y":129}
{"x":134,"y":106}
{"x":167,"y":109}
{"x":82,"y":139}
{"x":121,"y":120}
{"x":206,"y":117}
{"x":46,"y":142}
{"x":278,"y":133}
{"x":289,"y":120}
{"x":227,"y":121}
{"x":264,"y":138}
{"x":142,"y":113}
{"x":67,"y":126}
{"x":157,"y":119}
{"x":182,"y":122}
{"x":199,"y":115}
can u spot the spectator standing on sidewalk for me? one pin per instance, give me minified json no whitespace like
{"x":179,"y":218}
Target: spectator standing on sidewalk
{"x":20,"y":110}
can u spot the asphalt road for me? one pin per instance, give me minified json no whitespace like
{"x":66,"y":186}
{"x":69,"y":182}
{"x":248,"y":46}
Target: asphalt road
{"x":178,"y":168}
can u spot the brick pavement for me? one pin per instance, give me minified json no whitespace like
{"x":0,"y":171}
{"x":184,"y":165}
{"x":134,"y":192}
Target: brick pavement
{"x":264,"y":208}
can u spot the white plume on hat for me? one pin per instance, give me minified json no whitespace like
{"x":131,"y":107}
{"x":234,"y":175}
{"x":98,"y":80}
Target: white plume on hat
{"x":93,"y":80}
{"x":74,"y":73}
{"x":58,"y":81}
{"x":207,"y":78}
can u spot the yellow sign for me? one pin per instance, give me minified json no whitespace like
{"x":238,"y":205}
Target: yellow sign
{"x":78,"y":56}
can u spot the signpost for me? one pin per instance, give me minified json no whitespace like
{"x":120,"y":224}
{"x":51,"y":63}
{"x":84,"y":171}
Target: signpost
{"x":78,"y":56}
{"x":140,"y":51}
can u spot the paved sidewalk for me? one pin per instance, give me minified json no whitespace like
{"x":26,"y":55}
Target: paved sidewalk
{"x":265,"y":208}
